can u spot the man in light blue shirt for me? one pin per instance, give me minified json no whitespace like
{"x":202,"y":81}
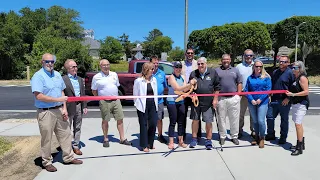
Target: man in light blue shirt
{"x":47,"y":86}
{"x":162,"y":84}
{"x":74,"y":88}
{"x":245,"y":69}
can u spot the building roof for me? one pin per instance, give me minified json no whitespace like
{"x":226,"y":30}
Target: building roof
{"x":93,"y":44}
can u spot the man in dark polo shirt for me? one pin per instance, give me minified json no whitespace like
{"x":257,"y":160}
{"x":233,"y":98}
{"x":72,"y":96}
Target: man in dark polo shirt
{"x":208,"y":83}
{"x":229,"y":106}
{"x":281,"y":78}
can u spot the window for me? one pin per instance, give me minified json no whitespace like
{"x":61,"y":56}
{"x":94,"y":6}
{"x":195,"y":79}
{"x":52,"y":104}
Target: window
{"x":166,"y":68}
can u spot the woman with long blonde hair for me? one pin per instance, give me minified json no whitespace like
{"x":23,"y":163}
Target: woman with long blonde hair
{"x":146,"y":107}
{"x":258,"y":103}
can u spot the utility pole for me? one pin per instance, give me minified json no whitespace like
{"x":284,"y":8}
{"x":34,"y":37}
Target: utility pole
{"x":297,"y":36}
{"x":186,"y":25}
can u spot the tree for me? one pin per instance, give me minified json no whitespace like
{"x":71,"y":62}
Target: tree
{"x":153,"y":35}
{"x":111,"y":49}
{"x":231,"y":38}
{"x":126,"y":44}
{"x":176,"y":54}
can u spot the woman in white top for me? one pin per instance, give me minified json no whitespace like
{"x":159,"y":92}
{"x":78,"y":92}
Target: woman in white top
{"x":146,"y":107}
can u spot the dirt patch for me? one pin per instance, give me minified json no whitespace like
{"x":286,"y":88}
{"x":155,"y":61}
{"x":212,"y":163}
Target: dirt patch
{"x":23,"y":160}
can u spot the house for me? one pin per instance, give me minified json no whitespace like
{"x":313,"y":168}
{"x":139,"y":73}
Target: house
{"x":94,"y":45}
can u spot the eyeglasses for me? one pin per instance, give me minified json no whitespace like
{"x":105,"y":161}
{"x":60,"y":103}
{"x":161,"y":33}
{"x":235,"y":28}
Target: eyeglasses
{"x":73,"y":67}
{"x":200,"y":64}
{"x":283,"y":62}
{"x":49,"y":61}
{"x":258,"y":66}
{"x":295,"y":67}
{"x":248,"y":55}
{"x":189,"y":52}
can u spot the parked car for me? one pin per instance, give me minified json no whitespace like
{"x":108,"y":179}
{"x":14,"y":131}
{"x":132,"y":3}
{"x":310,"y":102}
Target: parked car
{"x":266,"y":60}
{"x":126,"y":79}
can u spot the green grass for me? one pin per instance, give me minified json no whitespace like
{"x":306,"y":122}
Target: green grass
{"x":4,"y":145}
{"x":121,"y":66}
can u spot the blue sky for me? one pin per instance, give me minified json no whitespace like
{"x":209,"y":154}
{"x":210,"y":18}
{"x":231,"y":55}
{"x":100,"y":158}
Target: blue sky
{"x":137,"y":17}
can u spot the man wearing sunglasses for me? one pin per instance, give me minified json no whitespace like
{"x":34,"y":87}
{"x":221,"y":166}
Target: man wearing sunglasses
{"x":74,"y":87}
{"x":189,"y":65}
{"x":282,"y":78}
{"x":245,"y":69}
{"x":47,"y":86}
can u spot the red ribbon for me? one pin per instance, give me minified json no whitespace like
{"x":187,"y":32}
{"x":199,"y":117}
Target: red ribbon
{"x":97,"y":98}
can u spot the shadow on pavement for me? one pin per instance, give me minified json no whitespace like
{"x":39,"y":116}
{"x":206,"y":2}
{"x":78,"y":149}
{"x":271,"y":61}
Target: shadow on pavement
{"x":56,"y":156}
{"x":100,"y":139}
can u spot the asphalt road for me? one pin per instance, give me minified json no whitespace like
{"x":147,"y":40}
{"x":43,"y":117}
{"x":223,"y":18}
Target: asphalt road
{"x":18,"y":102}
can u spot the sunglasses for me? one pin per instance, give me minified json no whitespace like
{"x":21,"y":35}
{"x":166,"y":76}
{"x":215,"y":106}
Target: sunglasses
{"x":189,"y":52}
{"x":179,"y":67}
{"x":200,"y":64}
{"x":258,"y":66}
{"x":283,"y":62}
{"x":49,"y":61}
{"x":248,"y":55}
{"x":295,"y":67}
{"x":105,"y":65}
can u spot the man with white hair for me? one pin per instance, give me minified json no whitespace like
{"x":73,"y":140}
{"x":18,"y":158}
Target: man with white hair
{"x":207,"y":83}
{"x":106,"y":83}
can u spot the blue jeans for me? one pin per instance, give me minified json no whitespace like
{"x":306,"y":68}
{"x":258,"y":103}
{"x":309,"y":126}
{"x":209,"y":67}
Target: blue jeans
{"x":258,"y":114}
{"x":274,"y":109}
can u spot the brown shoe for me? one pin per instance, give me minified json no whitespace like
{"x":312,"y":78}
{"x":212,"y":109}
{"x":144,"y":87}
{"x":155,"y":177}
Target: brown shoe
{"x":51,"y":168}
{"x":77,"y":151}
{"x":261,"y":143}
{"x":75,"y":161}
{"x":253,"y":142}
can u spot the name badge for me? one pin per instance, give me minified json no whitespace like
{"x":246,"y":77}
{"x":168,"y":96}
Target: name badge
{"x":208,"y":78}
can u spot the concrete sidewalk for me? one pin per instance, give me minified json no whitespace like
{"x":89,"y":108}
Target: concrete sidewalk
{"x":235,"y":162}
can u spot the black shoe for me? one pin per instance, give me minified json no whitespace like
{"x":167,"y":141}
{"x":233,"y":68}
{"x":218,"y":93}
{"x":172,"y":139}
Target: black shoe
{"x":282,"y":141}
{"x":235,"y":141}
{"x":298,"y":150}
{"x":303,"y":145}
{"x":162,"y":139}
{"x":222,"y":141}
{"x":270,"y":137}
{"x":106,"y":144}
{"x":253,"y":134}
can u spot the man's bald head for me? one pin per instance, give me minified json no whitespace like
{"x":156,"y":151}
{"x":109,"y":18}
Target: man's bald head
{"x":104,"y":61}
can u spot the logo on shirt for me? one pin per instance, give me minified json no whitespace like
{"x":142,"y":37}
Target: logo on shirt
{"x":208,"y":78}
{"x":295,"y":83}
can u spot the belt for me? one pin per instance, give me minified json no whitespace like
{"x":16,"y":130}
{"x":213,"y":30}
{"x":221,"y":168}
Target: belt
{"x":55,"y":107}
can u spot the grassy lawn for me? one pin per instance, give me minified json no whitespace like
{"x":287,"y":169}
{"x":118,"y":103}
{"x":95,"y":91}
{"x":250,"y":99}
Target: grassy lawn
{"x":4,"y":145}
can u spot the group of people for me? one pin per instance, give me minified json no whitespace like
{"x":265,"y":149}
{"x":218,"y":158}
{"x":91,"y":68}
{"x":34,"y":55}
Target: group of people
{"x":55,"y":114}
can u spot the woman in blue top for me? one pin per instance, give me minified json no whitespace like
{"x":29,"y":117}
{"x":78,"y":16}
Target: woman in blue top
{"x":258,"y":103}
{"x":176,"y":82}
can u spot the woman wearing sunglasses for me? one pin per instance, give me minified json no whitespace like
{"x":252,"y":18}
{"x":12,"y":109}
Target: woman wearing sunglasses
{"x":177,"y":82}
{"x":299,"y":91}
{"x":259,"y":80}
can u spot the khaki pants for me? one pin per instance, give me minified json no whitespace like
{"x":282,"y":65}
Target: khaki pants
{"x":243,"y":109}
{"x":52,"y":121}
{"x":228,"y":106}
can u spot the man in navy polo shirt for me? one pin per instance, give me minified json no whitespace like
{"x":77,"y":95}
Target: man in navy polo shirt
{"x":162,"y":84}
{"x":281,"y":78}
{"x":47,"y":86}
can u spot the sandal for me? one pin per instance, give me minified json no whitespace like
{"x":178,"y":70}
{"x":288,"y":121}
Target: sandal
{"x":146,"y":149}
{"x":183,"y":145}
{"x":170,"y":145}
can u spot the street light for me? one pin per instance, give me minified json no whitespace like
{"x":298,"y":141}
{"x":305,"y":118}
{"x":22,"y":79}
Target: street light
{"x":297,"y":34}
{"x":185,"y":25}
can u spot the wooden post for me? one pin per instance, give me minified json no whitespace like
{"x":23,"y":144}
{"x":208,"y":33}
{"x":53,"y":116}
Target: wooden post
{"x":28,"y":73}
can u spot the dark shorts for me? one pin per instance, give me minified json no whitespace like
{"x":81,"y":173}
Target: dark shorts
{"x":207,"y":113}
{"x":160,"y":111}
